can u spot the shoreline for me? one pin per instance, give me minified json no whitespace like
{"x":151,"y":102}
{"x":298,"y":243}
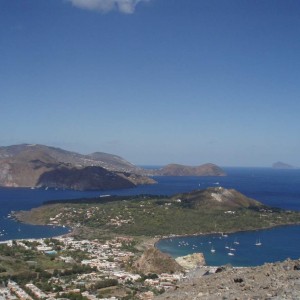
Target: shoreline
{"x":224,"y":232}
{"x":221,"y":233}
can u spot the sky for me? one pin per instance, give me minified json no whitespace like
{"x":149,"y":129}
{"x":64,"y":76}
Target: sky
{"x":154,"y":81}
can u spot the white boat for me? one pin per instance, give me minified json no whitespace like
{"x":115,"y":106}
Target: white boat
{"x":258,"y":243}
{"x":212,"y":250}
{"x":236,"y":242}
{"x":230,"y":254}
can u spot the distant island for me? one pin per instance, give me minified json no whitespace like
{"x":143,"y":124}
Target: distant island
{"x":182,"y":170}
{"x":282,"y":165}
{"x":33,"y":165}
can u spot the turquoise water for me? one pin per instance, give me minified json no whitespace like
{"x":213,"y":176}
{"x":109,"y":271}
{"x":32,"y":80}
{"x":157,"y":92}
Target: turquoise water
{"x":279,"y":188}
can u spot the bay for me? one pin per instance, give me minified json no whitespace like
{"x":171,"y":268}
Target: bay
{"x":277,"y":244}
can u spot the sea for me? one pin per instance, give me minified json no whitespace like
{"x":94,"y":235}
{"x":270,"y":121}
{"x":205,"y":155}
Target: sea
{"x":277,"y":188}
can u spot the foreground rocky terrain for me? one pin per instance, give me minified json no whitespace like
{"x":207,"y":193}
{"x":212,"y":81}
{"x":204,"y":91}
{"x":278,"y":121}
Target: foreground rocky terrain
{"x":270,"y":281}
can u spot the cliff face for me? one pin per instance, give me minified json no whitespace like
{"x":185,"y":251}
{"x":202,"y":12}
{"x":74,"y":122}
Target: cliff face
{"x":181,"y":170}
{"x":39,"y":165}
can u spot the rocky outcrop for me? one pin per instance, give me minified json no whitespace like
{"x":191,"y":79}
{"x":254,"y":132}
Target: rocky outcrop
{"x":154,"y":261}
{"x":270,"y":281}
{"x":191,"y":261}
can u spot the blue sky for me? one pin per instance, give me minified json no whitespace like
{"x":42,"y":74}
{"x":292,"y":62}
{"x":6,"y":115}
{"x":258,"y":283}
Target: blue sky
{"x":155,"y":81}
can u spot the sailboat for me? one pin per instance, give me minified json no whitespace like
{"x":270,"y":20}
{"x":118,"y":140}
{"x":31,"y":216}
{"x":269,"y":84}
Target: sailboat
{"x":236,"y":241}
{"x":231,"y":248}
{"x":258,"y":243}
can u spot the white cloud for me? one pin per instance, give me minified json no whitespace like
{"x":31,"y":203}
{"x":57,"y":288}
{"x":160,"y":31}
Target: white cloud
{"x":124,"y":6}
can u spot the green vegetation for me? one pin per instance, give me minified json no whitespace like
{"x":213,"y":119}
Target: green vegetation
{"x":150,"y":216}
{"x":23,"y":265}
{"x":73,"y":296}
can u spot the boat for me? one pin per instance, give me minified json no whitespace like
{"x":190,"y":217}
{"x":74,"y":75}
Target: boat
{"x":236,"y":241}
{"x":212,"y":250}
{"x":230,"y":254}
{"x":258,"y":243}
{"x":231,"y":249}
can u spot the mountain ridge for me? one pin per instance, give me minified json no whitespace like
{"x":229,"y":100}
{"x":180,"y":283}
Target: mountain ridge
{"x":34,"y":165}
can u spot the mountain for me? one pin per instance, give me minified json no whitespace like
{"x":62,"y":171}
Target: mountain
{"x":182,"y":170}
{"x":29,"y":165}
{"x":108,"y":161}
{"x":114,"y":162}
{"x":87,"y":178}
{"x":216,"y":198}
{"x":281,"y":165}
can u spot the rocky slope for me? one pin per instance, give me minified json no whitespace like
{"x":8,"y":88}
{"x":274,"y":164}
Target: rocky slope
{"x":217,"y":198}
{"x":154,"y":261}
{"x":271,"y":281}
{"x":38,"y":165}
{"x":182,"y":170}
{"x":88,"y":178}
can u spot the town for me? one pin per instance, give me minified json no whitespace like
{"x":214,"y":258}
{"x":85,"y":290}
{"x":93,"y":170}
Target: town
{"x":103,"y":272}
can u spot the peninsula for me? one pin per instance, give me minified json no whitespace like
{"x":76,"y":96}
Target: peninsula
{"x":201,"y":211}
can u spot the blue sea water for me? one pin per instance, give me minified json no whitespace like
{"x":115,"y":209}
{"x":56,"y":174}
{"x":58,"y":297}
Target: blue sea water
{"x":279,"y":188}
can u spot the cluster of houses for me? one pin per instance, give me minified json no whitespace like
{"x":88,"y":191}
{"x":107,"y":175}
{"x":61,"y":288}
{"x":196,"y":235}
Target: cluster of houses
{"x":107,"y":259}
